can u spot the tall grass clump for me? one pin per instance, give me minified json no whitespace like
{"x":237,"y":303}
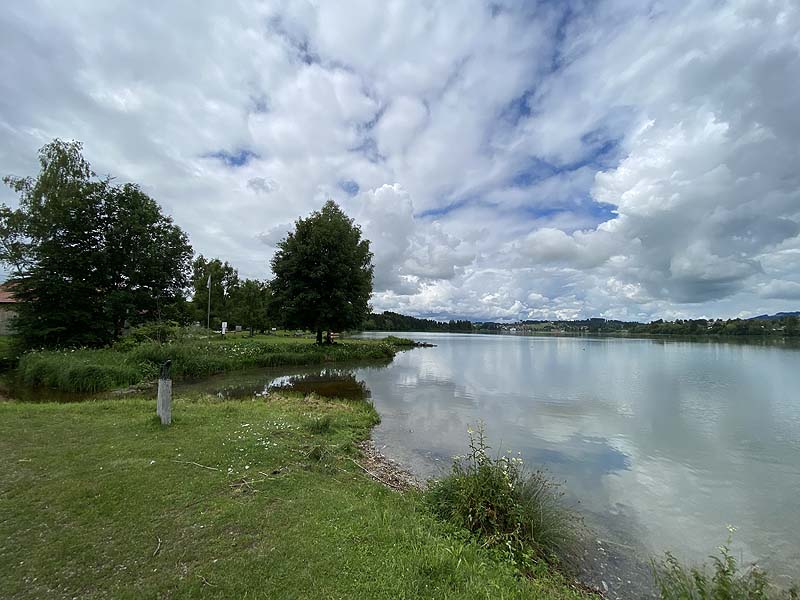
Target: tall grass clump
{"x":81,"y":370}
{"x":724,"y":581}
{"x":505,"y":505}
{"x":321,"y":425}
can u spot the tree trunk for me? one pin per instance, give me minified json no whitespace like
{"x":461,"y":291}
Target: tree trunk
{"x":319,"y":335}
{"x":328,"y":338}
{"x":251,"y":331}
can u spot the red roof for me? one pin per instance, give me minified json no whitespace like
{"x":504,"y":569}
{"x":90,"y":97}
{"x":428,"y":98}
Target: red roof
{"x":6,"y":297}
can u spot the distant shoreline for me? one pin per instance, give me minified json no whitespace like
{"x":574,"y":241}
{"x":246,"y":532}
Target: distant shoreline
{"x":603,"y":334}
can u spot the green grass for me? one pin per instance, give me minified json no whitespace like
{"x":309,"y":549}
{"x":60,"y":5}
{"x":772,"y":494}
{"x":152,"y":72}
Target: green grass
{"x":88,"y":370}
{"x":98,"y":500}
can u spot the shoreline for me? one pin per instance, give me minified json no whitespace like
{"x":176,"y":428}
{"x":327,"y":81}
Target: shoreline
{"x":606,"y":568}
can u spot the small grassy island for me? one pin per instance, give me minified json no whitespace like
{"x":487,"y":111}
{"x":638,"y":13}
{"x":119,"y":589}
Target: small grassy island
{"x":194,"y":355}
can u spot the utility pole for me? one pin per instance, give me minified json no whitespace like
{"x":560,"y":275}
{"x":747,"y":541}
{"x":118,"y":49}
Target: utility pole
{"x":208,"y":319}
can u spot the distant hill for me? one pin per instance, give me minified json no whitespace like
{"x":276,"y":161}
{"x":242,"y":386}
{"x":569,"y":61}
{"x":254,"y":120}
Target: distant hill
{"x":776,"y":316}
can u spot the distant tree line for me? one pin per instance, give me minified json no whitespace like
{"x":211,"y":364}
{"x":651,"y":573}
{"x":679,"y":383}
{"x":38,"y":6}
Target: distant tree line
{"x":392,"y":321}
{"x":782,"y":325}
{"x":786,"y":326}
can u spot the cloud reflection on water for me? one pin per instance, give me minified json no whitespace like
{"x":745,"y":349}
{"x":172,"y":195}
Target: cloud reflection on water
{"x":677,"y":438}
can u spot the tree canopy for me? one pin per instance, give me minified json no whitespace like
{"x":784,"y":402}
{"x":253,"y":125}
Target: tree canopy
{"x":224,"y":279}
{"x":87,"y":255}
{"x":323,"y":273}
{"x":249,"y":301}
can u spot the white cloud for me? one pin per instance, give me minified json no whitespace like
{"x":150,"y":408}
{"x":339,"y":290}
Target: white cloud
{"x":625,"y":159}
{"x":780,"y":289}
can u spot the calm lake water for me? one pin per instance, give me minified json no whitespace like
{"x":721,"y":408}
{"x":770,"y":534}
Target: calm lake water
{"x":661,"y":443}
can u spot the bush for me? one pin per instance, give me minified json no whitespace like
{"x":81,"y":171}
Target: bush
{"x":149,"y":332}
{"x":728,"y":582}
{"x":508,"y":507}
{"x":398,"y":342}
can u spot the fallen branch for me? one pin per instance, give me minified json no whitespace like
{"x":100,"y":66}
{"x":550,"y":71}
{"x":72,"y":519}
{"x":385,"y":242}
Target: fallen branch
{"x":208,"y":583}
{"x":189,"y":462}
{"x":157,"y":547}
{"x":243,"y":482}
{"x":378,"y":477}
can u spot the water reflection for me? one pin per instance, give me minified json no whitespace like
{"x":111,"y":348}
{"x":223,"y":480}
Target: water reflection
{"x":331,"y":383}
{"x":670,"y":440}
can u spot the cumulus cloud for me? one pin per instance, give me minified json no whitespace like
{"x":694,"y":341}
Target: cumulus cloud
{"x":507,"y":160}
{"x":262,"y":185}
{"x":780,"y":289}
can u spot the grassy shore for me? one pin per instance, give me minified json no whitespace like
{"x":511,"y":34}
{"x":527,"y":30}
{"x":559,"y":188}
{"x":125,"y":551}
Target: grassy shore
{"x":241,"y":499}
{"x":94,"y":370}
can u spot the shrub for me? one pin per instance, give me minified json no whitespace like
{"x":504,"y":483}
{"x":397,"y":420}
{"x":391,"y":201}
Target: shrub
{"x":507,"y":506}
{"x":398,"y":342}
{"x":727,"y":582}
{"x":149,"y":332}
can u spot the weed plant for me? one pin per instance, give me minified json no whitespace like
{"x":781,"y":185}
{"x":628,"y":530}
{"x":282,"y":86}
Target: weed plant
{"x":505,"y":505}
{"x":725,"y":581}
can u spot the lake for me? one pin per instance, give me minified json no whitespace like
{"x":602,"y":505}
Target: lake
{"x":661,"y":443}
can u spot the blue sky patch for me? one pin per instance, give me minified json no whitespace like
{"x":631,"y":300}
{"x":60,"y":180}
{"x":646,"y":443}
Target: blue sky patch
{"x":349,"y":187}
{"x":518,"y":109}
{"x":237,"y":158}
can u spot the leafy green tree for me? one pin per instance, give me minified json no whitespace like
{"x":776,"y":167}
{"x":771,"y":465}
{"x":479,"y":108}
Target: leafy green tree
{"x":224,"y":278}
{"x":249,"y":300}
{"x":791,"y":325}
{"x":142,"y":249}
{"x":87,"y":255}
{"x":323,"y":274}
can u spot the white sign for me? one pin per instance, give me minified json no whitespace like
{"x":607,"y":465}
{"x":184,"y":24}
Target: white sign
{"x":224,"y":327}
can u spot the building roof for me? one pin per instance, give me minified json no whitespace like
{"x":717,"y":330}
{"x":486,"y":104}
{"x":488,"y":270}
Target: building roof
{"x":6,"y":297}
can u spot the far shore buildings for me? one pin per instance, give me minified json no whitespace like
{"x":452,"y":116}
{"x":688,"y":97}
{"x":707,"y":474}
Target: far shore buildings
{"x":8,"y":310}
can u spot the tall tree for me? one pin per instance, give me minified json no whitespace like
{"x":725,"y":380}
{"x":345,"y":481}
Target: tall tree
{"x":86,"y":254}
{"x":249,"y":301}
{"x":142,"y":249}
{"x":224,"y":278}
{"x":323,"y":274}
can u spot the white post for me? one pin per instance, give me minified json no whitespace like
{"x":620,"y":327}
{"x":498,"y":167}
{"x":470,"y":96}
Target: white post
{"x":164,"y":402}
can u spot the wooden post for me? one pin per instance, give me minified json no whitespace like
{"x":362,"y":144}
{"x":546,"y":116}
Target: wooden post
{"x":164,"y":402}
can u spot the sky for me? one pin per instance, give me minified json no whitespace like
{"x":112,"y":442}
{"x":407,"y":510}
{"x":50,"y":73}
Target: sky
{"x":626,"y":159}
